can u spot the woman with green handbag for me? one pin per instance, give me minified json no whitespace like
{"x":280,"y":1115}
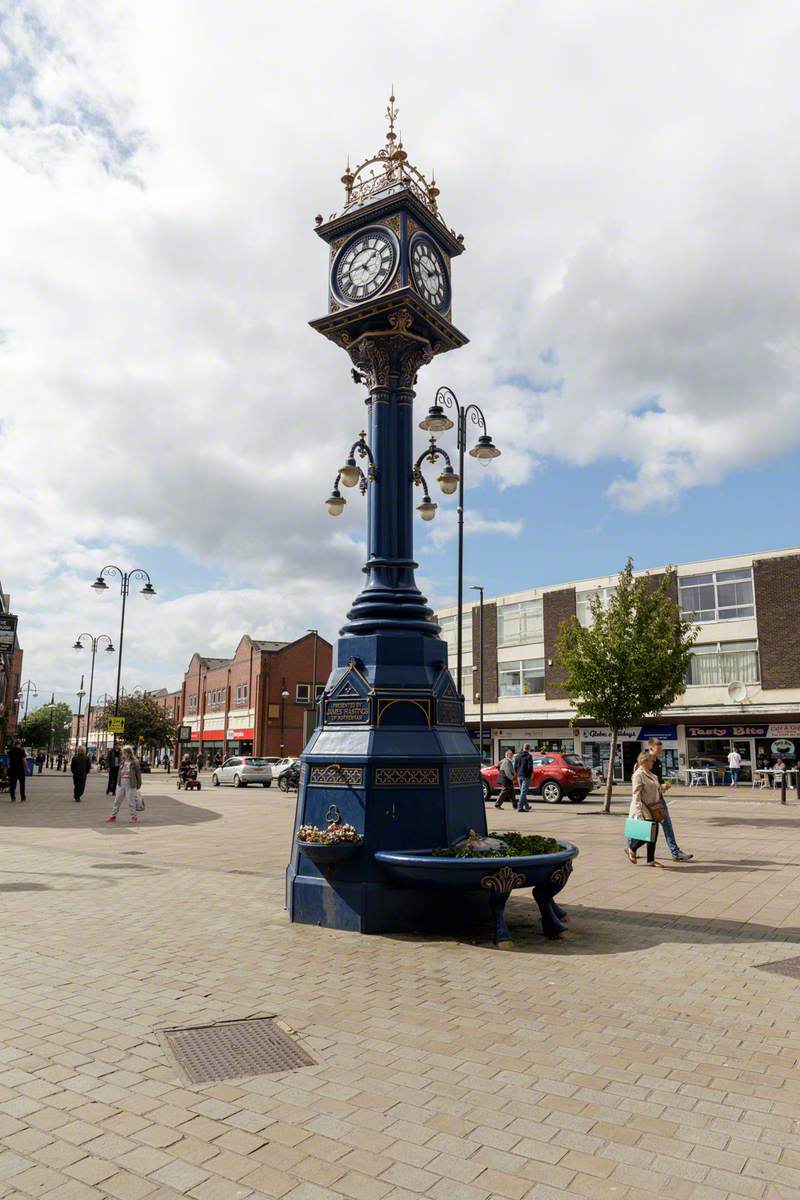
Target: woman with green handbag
{"x":647,"y":809}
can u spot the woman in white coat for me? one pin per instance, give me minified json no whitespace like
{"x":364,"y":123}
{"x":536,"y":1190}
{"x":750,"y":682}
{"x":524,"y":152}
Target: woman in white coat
{"x":645,"y":799}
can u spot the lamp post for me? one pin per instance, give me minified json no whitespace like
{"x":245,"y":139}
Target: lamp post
{"x":105,"y":701}
{"x":484,"y":450}
{"x":313,"y":701}
{"x":27,"y":688}
{"x":476,"y":587}
{"x":80,"y":694}
{"x":125,"y":578}
{"x":284,"y":698}
{"x":94,"y":642}
{"x":51,"y":705}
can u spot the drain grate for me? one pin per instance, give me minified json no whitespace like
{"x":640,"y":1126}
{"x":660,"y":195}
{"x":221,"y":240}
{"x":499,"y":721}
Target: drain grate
{"x":782,"y":966}
{"x":235,"y":1050}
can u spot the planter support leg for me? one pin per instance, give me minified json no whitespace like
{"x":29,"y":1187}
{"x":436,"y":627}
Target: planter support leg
{"x":553,"y":915}
{"x":500,"y":885}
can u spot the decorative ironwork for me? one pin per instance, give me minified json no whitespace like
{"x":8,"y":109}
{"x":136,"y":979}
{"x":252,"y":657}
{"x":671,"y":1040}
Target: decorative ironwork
{"x":406,"y":776}
{"x":423,"y":705}
{"x":449,"y":712}
{"x":347,"y":690}
{"x":465,"y":775}
{"x":560,"y":877}
{"x":503,"y":881}
{"x":332,"y":815}
{"x":333,"y":775}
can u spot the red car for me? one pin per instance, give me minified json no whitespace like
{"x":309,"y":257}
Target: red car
{"x":554,"y":775}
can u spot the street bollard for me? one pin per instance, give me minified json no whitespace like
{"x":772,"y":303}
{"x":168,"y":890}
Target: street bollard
{"x":783,"y":787}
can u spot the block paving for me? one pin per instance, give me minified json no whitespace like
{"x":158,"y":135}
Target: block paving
{"x":646,"y":1055}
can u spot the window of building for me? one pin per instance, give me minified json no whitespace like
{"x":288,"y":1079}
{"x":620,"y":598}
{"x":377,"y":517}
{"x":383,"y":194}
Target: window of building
{"x":718,"y":595}
{"x":191,"y":704}
{"x":525,"y":678}
{"x":242,"y":690}
{"x":582,"y":608}
{"x":519,"y":623}
{"x":302,"y":693}
{"x":448,"y":632}
{"x":723,"y":662}
{"x":320,"y":690}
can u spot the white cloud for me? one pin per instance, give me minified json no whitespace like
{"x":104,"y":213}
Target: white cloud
{"x":626,"y":177}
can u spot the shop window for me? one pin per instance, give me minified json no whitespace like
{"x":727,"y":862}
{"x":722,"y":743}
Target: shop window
{"x":723,"y":663}
{"x":718,"y":595}
{"x":582,"y":603}
{"x":524,"y":678}
{"x":520,"y":623}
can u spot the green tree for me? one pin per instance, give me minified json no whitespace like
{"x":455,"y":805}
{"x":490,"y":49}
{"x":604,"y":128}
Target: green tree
{"x":146,"y":723}
{"x":35,"y":729}
{"x":631,"y":662}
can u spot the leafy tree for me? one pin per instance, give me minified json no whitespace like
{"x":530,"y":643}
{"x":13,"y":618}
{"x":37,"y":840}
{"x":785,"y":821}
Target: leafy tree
{"x":35,"y":729}
{"x":631,"y":662}
{"x":146,"y":723}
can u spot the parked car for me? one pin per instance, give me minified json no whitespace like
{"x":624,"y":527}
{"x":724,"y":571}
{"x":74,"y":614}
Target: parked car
{"x":555,"y":775}
{"x":289,"y":778}
{"x":281,"y":765}
{"x":240,"y":772}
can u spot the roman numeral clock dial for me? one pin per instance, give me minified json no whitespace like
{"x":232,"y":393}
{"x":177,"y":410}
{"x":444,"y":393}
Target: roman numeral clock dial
{"x":365,"y":265}
{"x":429,"y":272}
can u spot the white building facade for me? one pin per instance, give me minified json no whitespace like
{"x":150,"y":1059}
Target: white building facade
{"x":742,"y":690}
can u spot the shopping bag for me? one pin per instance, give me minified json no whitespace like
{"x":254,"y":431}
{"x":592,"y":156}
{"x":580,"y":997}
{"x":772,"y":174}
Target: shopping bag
{"x":641,"y":831}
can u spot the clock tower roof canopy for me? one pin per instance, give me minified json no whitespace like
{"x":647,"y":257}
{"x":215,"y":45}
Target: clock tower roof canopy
{"x":383,"y":182}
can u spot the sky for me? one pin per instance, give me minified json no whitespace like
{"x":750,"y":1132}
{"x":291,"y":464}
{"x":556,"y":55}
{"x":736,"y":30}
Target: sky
{"x":627,"y":180}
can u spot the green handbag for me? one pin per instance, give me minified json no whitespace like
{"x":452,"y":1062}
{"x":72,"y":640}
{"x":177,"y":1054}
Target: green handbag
{"x":641,"y":831}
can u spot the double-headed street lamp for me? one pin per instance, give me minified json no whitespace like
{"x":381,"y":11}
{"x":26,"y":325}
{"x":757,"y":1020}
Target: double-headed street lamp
{"x":284,"y":698}
{"x":27,"y":687}
{"x":80,"y":694}
{"x":95,"y":642}
{"x":51,"y":705}
{"x":476,"y":587}
{"x":437,"y":421}
{"x":125,"y":578}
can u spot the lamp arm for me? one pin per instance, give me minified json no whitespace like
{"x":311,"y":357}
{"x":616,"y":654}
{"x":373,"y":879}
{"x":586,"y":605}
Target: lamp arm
{"x":140,"y":573}
{"x":419,"y":478}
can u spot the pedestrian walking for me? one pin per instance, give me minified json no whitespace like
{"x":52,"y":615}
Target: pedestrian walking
{"x":39,"y":760}
{"x":734,"y":766}
{"x":506,"y":769}
{"x":112,"y":762}
{"x":654,"y":748}
{"x":80,"y":766}
{"x":130,"y":781}
{"x":646,"y":804}
{"x":523,"y":765}
{"x":17,"y":770}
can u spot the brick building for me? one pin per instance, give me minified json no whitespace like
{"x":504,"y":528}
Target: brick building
{"x":10,"y":676}
{"x":742,"y":690}
{"x":260,"y":701}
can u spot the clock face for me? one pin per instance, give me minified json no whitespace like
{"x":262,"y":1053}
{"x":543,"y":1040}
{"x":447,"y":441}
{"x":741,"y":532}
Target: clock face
{"x":429,"y":272}
{"x":365,"y":265}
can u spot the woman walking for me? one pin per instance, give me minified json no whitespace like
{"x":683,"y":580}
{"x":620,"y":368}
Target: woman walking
{"x":128,"y":784}
{"x":646,"y":805}
{"x":80,"y":767}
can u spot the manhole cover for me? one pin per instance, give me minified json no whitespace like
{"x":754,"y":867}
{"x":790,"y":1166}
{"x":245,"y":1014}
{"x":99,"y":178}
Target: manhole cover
{"x":783,"y":966}
{"x":235,"y":1050}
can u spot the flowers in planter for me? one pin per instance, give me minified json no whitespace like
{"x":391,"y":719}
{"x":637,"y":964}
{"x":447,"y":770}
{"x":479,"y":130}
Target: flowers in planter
{"x":333,"y":835}
{"x":504,"y":845}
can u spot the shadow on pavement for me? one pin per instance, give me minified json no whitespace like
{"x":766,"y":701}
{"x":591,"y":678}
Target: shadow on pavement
{"x":55,"y":808}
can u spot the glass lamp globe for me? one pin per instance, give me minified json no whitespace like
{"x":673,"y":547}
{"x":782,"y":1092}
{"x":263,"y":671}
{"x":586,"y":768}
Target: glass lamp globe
{"x":448,"y":481}
{"x":427,"y":510}
{"x":485,"y":450}
{"x":349,"y":473}
{"x":148,"y":589}
{"x":335,"y":503}
{"x":436,"y":421}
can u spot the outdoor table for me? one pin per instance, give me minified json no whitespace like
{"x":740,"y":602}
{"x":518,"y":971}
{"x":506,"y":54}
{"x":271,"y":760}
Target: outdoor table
{"x":698,"y":775}
{"x":766,"y":775}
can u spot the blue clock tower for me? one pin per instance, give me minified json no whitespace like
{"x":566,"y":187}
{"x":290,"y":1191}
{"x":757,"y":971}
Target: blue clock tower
{"x":390,"y":749}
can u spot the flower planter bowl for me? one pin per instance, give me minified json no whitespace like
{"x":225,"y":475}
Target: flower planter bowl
{"x":545,"y":873}
{"x":328,"y":855}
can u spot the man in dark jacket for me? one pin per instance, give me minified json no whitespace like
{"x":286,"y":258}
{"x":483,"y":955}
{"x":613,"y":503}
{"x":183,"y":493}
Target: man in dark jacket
{"x":80,"y":767}
{"x":523,"y":765}
{"x":112,"y":762}
{"x":17,"y":759}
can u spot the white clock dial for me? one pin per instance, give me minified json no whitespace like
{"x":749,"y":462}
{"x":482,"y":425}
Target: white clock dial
{"x":429,"y":272}
{"x":365,"y":265}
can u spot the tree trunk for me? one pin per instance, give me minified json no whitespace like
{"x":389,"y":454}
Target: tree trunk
{"x":610,"y":776}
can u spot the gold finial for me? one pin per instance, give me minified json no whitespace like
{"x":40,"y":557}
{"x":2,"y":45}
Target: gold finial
{"x":347,"y":179}
{"x":391,"y":117}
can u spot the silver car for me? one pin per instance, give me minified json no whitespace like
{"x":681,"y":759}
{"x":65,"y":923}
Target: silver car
{"x":242,"y":771}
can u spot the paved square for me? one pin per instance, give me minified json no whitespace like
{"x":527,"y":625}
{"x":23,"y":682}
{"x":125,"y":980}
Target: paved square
{"x":644,"y":1056}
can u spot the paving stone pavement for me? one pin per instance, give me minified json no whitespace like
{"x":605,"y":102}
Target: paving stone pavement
{"x":647,"y":1055}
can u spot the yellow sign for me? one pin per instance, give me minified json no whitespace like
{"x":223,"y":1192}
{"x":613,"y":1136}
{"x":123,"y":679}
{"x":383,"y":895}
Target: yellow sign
{"x":116,"y":724}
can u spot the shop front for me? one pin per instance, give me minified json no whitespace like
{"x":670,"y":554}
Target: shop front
{"x":760,"y":745}
{"x":238,"y":740}
{"x":539,"y":739}
{"x":595,"y":748}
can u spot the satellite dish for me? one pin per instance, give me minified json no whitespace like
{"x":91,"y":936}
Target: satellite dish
{"x":737,"y":692}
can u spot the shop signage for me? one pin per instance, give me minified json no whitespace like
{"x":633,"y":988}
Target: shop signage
{"x":237,"y":735}
{"x":635,"y":733}
{"x":725,"y":731}
{"x":786,"y":730}
{"x":184,"y":733}
{"x":116,"y":724}
{"x":783,"y":746}
{"x":8,"y":631}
